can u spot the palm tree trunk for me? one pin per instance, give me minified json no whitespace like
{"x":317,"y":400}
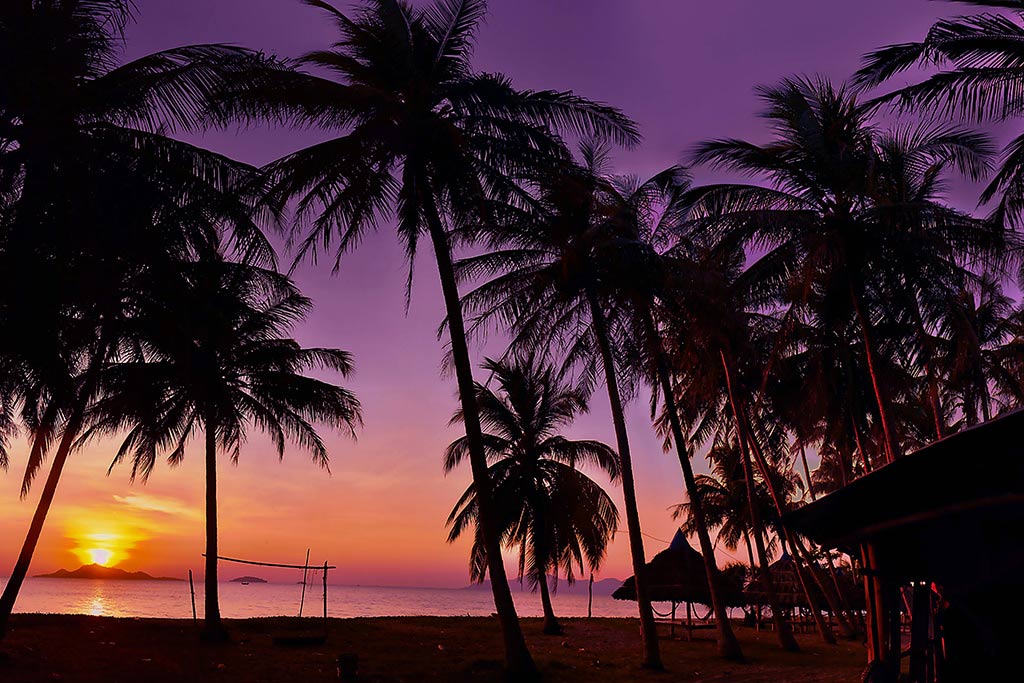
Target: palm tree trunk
{"x":783,"y":630}
{"x":728,"y":646}
{"x":551,"y":625}
{"x":750,"y":551}
{"x":807,"y":471}
{"x":648,"y":627}
{"x":518,"y":662}
{"x":35,"y":529}
{"x":929,"y":354}
{"x":864,"y":458}
{"x":800,"y":553}
{"x":888,"y":431}
{"x":213,"y":627}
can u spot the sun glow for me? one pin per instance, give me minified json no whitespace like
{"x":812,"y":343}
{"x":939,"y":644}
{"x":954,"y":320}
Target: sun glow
{"x":105,"y":548}
{"x":100,"y":556}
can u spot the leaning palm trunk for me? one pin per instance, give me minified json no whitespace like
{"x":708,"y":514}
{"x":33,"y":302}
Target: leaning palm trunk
{"x":648,"y":627}
{"x":71,"y":432}
{"x":928,"y":353}
{"x":20,"y":571}
{"x":807,"y":471}
{"x":782,"y":628}
{"x":551,"y":625}
{"x":888,"y":433}
{"x":728,"y":646}
{"x":802,"y":557}
{"x":213,"y":627}
{"x":518,"y":661}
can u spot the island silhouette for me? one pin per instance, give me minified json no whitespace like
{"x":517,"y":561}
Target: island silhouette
{"x":98,"y":571}
{"x":248,"y":579}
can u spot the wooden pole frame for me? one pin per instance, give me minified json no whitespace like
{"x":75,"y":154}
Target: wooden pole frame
{"x":303,"y":567}
{"x":192,"y":590}
{"x":302,"y":598}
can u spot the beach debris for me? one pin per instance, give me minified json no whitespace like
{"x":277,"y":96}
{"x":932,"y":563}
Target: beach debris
{"x":348,"y":666}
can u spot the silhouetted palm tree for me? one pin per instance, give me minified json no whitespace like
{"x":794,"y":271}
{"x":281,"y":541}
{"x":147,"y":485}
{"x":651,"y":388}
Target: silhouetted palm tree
{"x":216,"y":360}
{"x":724,"y":494}
{"x":100,"y":200}
{"x":553,"y":278}
{"x":646,"y":211}
{"x":555,"y":514}
{"x":720,"y":344}
{"x":425,"y":138}
{"x":829,"y":220}
{"x":979,"y":70}
{"x":972,"y":335}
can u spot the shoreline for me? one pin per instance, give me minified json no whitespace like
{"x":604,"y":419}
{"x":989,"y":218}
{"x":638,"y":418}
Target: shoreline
{"x":87,"y":649}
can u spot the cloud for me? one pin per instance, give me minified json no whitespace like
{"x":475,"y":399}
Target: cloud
{"x":160,"y":504}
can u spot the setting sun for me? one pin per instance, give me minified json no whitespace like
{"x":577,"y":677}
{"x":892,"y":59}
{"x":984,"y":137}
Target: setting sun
{"x":105,"y":548}
{"x":99,"y":555}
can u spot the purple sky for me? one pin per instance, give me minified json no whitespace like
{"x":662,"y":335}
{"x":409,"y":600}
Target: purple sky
{"x":684,"y":70}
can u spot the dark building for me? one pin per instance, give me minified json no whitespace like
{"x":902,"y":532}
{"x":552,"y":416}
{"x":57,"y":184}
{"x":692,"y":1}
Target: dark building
{"x":940,"y":536}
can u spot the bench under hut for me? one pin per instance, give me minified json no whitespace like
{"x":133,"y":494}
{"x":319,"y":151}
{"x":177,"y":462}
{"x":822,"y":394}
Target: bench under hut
{"x":677,"y":576}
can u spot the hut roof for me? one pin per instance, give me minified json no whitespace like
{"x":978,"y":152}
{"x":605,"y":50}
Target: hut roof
{"x":675,"y":574}
{"x":977,"y":473}
{"x":952,"y":512}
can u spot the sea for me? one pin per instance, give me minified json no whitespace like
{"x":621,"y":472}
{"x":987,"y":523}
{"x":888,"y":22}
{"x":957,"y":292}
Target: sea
{"x":172,"y":599}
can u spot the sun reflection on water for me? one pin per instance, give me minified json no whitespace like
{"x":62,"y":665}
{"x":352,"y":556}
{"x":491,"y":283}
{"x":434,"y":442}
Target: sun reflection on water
{"x":98,"y":606}
{"x":100,"y":600}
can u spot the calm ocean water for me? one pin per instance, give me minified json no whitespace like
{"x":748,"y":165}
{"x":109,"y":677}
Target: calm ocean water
{"x":171,"y":599}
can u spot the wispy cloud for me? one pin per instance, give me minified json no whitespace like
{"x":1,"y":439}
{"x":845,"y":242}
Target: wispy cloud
{"x":160,"y":504}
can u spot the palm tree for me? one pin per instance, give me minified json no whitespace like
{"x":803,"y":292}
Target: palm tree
{"x":978,"y":60}
{"x":972,"y":336}
{"x":216,"y":360}
{"x":829,"y":222}
{"x":724,"y":494}
{"x":557,"y":516}
{"x":646,"y":210}
{"x":719,"y":345}
{"x":421,"y":136}
{"x":97,"y":197}
{"x":552,"y":277}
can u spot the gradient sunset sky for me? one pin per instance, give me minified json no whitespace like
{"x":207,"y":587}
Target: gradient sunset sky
{"x":684,"y":70}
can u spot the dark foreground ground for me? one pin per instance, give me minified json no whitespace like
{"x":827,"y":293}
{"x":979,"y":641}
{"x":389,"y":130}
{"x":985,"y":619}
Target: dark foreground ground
{"x":42,"y":648}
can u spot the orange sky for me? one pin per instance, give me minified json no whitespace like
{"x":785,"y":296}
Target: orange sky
{"x":379,"y":515}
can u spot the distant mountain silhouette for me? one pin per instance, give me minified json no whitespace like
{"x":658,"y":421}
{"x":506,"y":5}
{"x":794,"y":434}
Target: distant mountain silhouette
{"x":98,"y":571}
{"x":602,"y":587}
{"x":248,"y":579}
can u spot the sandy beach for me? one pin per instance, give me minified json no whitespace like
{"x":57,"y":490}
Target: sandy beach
{"x":93,"y":649}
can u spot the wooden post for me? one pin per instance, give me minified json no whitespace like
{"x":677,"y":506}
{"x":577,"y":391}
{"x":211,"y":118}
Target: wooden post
{"x":920,"y":614}
{"x":305,"y":567}
{"x":892,"y":595}
{"x":672,"y":621}
{"x":192,"y":590}
{"x":325,"y":599}
{"x":689,"y":621}
{"x":871,"y":625}
{"x":590,"y":597}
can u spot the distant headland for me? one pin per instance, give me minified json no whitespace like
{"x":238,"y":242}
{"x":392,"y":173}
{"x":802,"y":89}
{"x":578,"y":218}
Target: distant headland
{"x":98,"y":571}
{"x":248,"y":579}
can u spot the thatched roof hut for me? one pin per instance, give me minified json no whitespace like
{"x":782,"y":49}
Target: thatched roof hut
{"x":676,"y":574}
{"x":787,"y":584}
